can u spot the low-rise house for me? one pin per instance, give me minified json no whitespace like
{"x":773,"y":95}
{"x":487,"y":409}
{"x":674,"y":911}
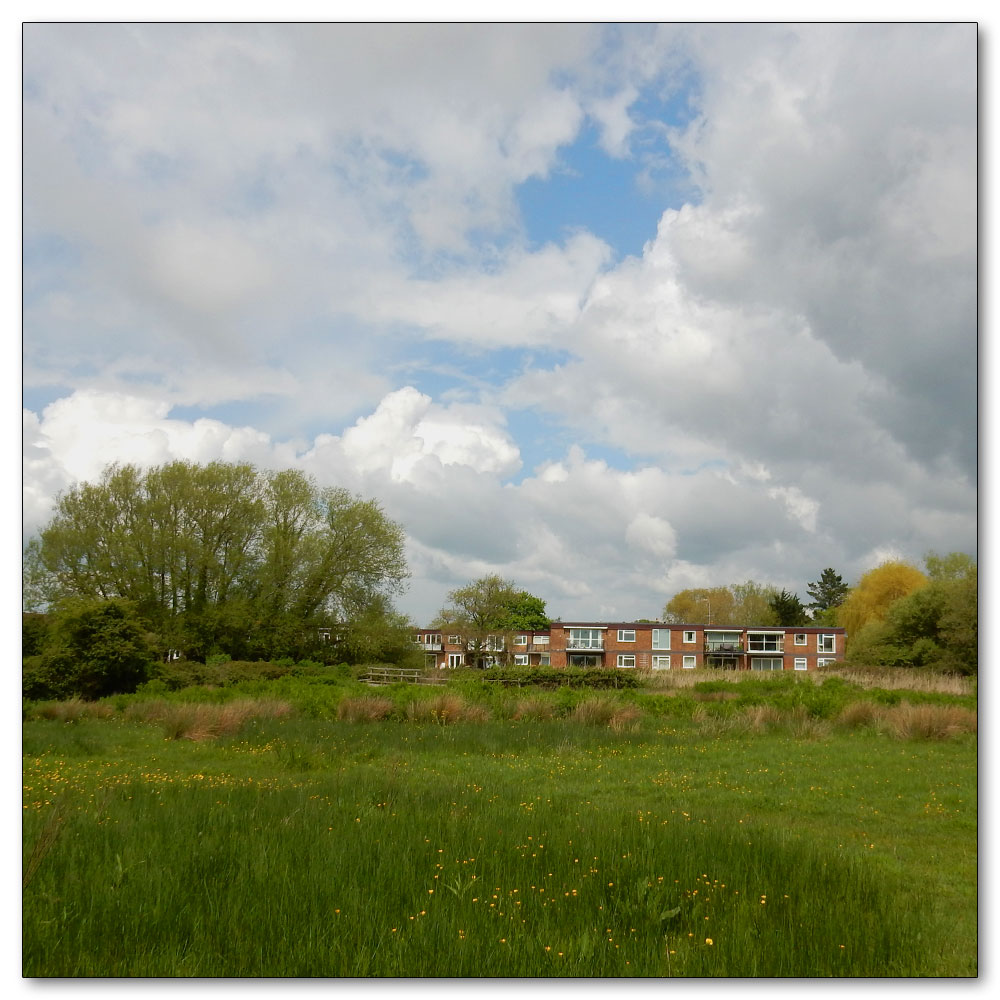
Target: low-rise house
{"x":646,"y":646}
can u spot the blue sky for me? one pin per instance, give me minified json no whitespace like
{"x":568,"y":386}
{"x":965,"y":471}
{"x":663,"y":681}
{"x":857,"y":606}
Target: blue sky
{"x":611,"y":311}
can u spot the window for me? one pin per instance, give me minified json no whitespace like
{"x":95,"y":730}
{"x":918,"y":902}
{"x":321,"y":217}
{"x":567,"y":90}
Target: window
{"x":626,"y":659}
{"x":822,"y":661}
{"x":626,"y":635}
{"x":767,"y":663}
{"x":520,"y":640}
{"x":661,"y":662}
{"x":801,"y":663}
{"x":689,"y":662}
{"x":585,"y":638}
{"x":494,"y":643}
{"x":581,"y":660}
{"x":723,"y":642}
{"x":540,"y":640}
{"x":544,"y":659}
{"x":689,"y":637}
{"x":826,"y":644}
{"x":455,"y":659}
{"x":661,"y":638}
{"x":765,"y":642}
{"x":324,"y":635}
{"x":520,"y":659}
{"x":454,"y":640}
{"x":800,"y":638}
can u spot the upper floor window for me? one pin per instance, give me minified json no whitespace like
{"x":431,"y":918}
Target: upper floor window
{"x":800,"y":638}
{"x":454,"y":640}
{"x":690,"y":636}
{"x":520,"y":640}
{"x":826,"y":644}
{"x":661,"y":638}
{"x":626,"y":635}
{"x":540,"y":640}
{"x":586,"y":638}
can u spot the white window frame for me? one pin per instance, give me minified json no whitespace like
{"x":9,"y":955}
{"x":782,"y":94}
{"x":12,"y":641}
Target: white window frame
{"x":540,"y":640}
{"x":544,"y":659}
{"x":801,"y":663}
{"x":822,"y":661}
{"x":493,"y":644}
{"x":693,"y":634}
{"x":594,"y":640}
{"x":801,"y":639}
{"x":657,"y":638}
{"x":757,"y":663}
{"x":520,"y":659}
{"x":689,"y":662}
{"x":454,"y":640}
{"x":520,"y":640}
{"x":456,"y":660}
{"x":826,"y":643}
{"x":661,"y":662}
{"x":626,"y":635}
{"x":624,"y":658}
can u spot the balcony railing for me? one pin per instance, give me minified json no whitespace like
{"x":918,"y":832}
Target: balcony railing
{"x":435,"y":646}
{"x":718,"y":646}
{"x":586,"y":645}
{"x":765,"y":647}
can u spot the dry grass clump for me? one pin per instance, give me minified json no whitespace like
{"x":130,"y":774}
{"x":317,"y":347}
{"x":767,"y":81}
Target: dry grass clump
{"x":900,"y":679}
{"x":760,"y":718}
{"x":929,"y":722}
{"x":861,"y":715}
{"x":444,"y":709}
{"x":803,"y":726}
{"x":191,"y":721}
{"x":540,"y":709}
{"x":715,"y":695}
{"x":72,"y":710}
{"x":595,"y":711}
{"x":625,"y":717}
{"x":364,"y":709}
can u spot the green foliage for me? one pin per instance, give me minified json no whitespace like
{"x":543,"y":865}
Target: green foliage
{"x":34,"y":631}
{"x":875,"y":593}
{"x":827,"y":592}
{"x":92,"y":649}
{"x":935,"y":625}
{"x":739,"y":604}
{"x":787,"y":609}
{"x":220,"y":557}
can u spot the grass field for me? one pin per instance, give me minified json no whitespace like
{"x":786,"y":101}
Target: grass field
{"x":697,"y":835}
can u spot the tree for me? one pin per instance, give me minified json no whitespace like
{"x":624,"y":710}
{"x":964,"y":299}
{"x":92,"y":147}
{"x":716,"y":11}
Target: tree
{"x":828,"y":591}
{"x":223,"y":557}
{"x":487,"y":612}
{"x":935,"y":625}
{"x":875,"y":593}
{"x":93,"y":648}
{"x":739,"y":604}
{"x":787,"y":609}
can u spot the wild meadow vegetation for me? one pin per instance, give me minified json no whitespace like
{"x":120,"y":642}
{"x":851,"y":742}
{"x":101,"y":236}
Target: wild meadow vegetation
{"x":294,"y":822}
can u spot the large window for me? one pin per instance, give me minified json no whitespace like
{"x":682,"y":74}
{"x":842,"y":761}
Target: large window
{"x":626,"y":635}
{"x":520,"y":659}
{"x":494,"y":643}
{"x":765,"y":642}
{"x":520,"y":640}
{"x":586,"y":638}
{"x":661,"y":662}
{"x":767,"y":663}
{"x":540,"y":640}
{"x":455,"y":659}
{"x":626,"y":659}
{"x":826,"y":644}
{"x":582,"y":660}
{"x":661,"y":638}
{"x":822,"y":661}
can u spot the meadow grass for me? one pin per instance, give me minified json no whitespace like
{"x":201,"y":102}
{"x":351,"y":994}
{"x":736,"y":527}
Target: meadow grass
{"x":525,"y":846}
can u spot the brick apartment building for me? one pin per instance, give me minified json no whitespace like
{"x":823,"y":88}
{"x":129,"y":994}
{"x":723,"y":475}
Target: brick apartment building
{"x":647,"y":646}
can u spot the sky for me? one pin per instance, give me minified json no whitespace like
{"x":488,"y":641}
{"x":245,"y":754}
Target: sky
{"x":611,"y":311}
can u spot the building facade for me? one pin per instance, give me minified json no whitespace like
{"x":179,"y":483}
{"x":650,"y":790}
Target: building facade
{"x":646,"y":646}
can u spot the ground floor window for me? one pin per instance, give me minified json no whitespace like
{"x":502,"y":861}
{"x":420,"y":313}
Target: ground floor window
{"x":689,"y":662}
{"x":661,"y":662}
{"x":801,"y":663}
{"x":520,"y":659}
{"x":824,"y":660}
{"x":544,"y":659}
{"x":583,"y":660}
{"x":455,"y":659}
{"x":767,"y":663}
{"x":626,"y":659}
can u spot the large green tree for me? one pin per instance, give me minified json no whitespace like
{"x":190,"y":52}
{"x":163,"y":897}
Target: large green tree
{"x":221,"y":557}
{"x":787,"y":609}
{"x":487,"y":612}
{"x":737,"y":605}
{"x":827,"y":593}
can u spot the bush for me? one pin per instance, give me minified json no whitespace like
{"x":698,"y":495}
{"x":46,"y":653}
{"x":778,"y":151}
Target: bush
{"x":929,"y":722}
{"x":365,"y":709}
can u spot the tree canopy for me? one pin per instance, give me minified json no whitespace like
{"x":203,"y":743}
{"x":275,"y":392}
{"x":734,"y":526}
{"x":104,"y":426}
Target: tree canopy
{"x":828,"y":591}
{"x":787,"y":609}
{"x":870,"y":600}
{"x":747,"y":603}
{"x":220,"y":556}
{"x":490,"y":606}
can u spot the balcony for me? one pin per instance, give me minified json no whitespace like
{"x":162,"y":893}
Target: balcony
{"x":435,"y":647}
{"x":721,"y":647}
{"x":765,"y":646}
{"x":586,"y":645}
